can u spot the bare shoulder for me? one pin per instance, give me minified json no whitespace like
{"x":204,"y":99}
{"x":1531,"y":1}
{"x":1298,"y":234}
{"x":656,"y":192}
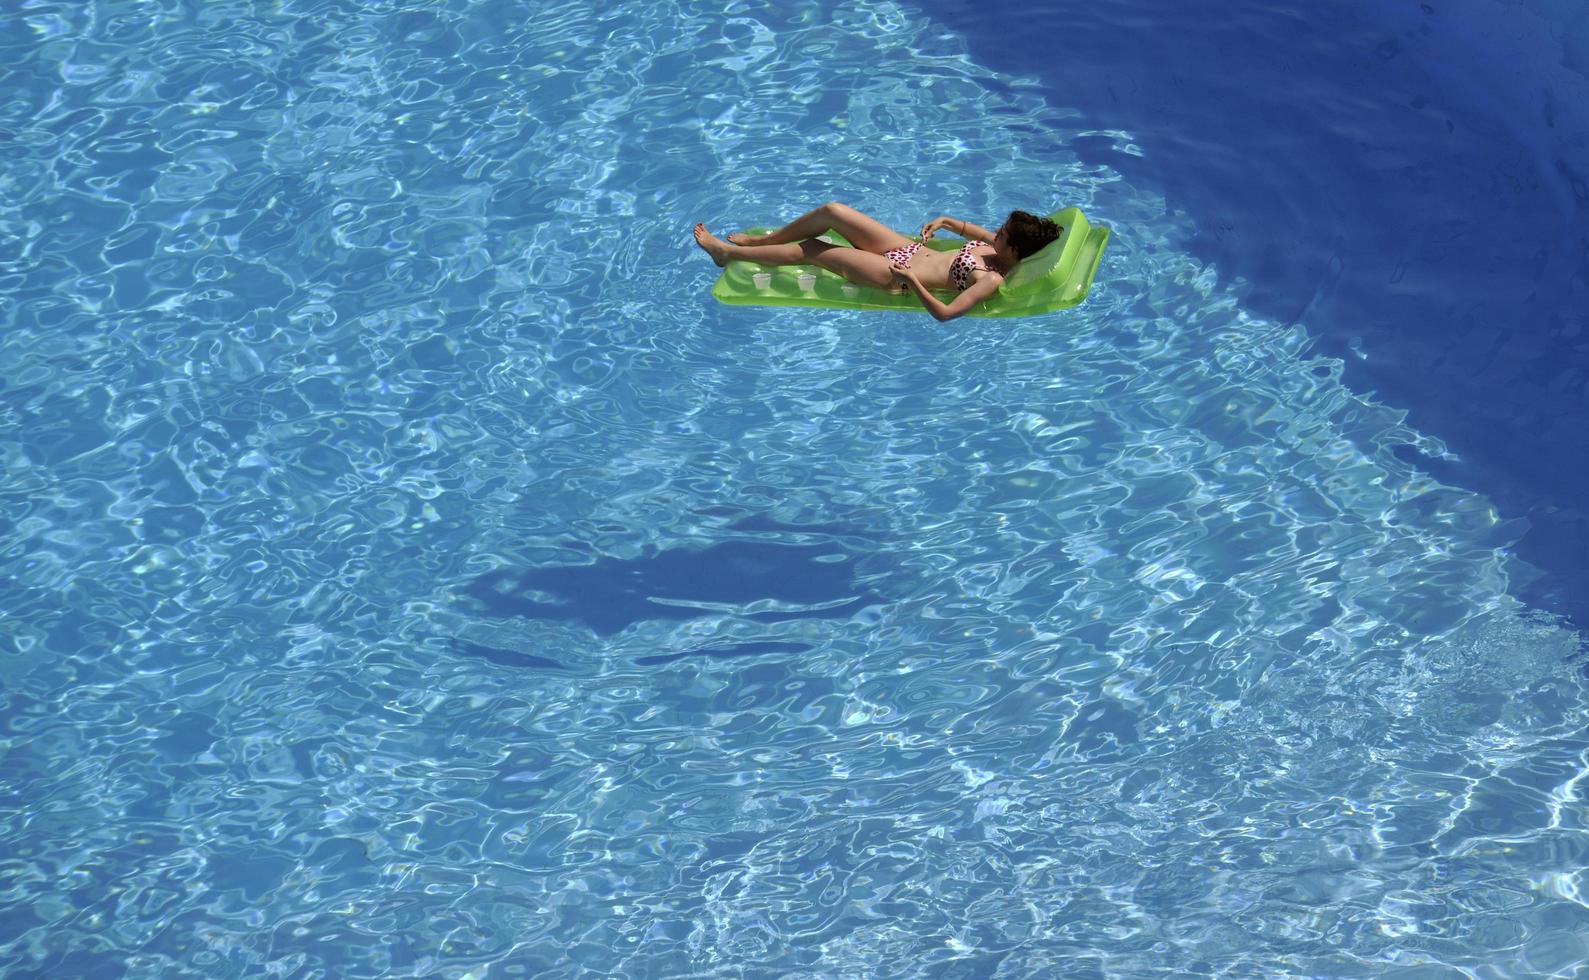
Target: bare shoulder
{"x":985,"y":280}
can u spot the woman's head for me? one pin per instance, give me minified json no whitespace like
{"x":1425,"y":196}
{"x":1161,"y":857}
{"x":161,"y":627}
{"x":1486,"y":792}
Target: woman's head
{"x":1027,"y":233}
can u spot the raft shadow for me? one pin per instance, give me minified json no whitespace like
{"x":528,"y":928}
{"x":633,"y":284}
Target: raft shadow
{"x":800,"y":581}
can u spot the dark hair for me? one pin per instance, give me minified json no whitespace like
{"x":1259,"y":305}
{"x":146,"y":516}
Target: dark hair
{"x":1027,"y":233}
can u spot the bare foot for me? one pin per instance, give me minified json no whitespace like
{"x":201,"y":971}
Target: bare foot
{"x":711,"y":244}
{"x":742,"y":238}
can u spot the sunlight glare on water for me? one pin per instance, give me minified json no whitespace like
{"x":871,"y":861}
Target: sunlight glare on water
{"x":409,"y":570}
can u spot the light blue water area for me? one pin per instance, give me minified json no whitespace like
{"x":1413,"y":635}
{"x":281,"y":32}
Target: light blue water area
{"x":408,"y":570}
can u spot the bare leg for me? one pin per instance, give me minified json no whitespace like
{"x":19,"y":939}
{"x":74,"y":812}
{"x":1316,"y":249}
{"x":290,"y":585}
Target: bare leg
{"x":866,"y":268}
{"x":864,"y":232}
{"x":723,"y":252}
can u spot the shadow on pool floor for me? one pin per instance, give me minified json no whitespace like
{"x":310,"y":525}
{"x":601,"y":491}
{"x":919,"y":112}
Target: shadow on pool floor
{"x":755,"y":580}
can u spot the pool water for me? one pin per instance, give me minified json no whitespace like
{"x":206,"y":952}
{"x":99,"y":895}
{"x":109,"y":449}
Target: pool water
{"x":1406,"y":180}
{"x":409,"y":570}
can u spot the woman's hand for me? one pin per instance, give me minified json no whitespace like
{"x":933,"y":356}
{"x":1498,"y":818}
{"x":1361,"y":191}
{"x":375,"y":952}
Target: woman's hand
{"x":903,"y":277}
{"x":932,"y":226}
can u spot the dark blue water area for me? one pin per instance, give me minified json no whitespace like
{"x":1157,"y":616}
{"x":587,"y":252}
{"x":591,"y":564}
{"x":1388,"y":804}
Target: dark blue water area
{"x":802,"y":581}
{"x":1409,"y":181}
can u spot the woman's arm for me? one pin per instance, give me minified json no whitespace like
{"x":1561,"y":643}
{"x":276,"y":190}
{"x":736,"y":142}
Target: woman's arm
{"x":964,"y":229}
{"x":986,"y":285}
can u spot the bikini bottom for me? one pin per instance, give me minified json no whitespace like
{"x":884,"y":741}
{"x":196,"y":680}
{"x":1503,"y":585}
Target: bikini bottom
{"x":903,"y":255}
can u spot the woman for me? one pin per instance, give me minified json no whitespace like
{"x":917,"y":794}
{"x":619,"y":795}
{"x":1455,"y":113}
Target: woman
{"x":882,"y":257}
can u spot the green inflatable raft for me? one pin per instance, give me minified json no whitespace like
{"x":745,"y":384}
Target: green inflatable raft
{"x":1055,"y":278}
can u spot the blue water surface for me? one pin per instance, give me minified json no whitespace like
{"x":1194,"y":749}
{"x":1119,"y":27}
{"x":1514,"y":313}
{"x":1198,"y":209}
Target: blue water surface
{"x":1408,"y":180}
{"x":408,"y":570}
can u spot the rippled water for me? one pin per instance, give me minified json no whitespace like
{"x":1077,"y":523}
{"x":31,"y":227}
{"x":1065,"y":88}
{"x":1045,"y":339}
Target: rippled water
{"x":1405,"y":179}
{"x":408,"y":570}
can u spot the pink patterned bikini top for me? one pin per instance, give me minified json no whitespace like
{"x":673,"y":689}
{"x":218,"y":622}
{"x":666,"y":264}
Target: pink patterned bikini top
{"x":964,"y":264}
